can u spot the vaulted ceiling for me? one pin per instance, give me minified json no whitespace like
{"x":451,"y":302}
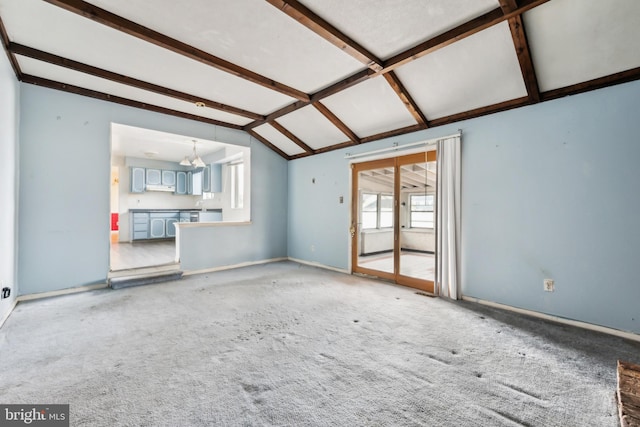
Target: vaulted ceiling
{"x":309,"y":76}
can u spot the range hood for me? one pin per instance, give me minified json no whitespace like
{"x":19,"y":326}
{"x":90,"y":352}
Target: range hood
{"x":167,"y":188}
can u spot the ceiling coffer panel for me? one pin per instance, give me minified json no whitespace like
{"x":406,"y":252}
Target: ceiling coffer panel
{"x":63,"y":75}
{"x":249,"y":33}
{"x":573,"y":41}
{"x":370,"y":107}
{"x":103,"y":47}
{"x":386,"y":28}
{"x":278,"y":139}
{"x":477,"y":71}
{"x":312,"y":127}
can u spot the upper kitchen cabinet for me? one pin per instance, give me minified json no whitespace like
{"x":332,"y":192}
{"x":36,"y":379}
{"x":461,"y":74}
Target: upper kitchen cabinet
{"x":154,"y":177}
{"x":206,"y":179}
{"x":212,"y":178}
{"x":181,"y":182}
{"x":169,"y":177}
{"x":138,"y":183}
{"x":216,"y":178}
{"x":196,"y":183}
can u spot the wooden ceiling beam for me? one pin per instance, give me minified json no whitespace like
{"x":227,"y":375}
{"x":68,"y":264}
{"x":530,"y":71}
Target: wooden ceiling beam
{"x":406,"y":98}
{"x":315,"y":23}
{"x":519,"y":36}
{"x":291,"y":136}
{"x":463,"y":31}
{"x":599,"y":83}
{"x":326,"y":92}
{"x":268,"y":144}
{"x":51,"y":84}
{"x":337,"y":122}
{"x":119,"y":23}
{"x":19,"y":49}
{"x":12,"y":58}
{"x":394,"y":132}
{"x":334,"y":147}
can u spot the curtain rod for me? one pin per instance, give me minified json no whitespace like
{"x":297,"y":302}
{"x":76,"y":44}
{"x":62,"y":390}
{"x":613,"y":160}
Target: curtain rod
{"x":397,"y":147}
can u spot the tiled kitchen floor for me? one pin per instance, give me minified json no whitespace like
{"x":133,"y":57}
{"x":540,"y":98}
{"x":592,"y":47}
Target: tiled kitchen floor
{"x":126,"y":256}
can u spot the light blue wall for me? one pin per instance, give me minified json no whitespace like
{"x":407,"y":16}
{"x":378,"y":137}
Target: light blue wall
{"x":64,"y":185}
{"x":318,"y":222}
{"x":549,"y":191}
{"x":9,"y":123}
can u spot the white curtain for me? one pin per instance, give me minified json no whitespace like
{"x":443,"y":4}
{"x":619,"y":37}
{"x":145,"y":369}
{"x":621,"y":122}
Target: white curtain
{"x":448,"y":218}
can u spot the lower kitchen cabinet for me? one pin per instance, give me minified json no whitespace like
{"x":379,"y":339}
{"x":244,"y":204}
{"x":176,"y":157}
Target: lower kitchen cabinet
{"x":140,"y":226}
{"x":154,"y":224}
{"x":156,"y":228}
{"x":170,"y":227}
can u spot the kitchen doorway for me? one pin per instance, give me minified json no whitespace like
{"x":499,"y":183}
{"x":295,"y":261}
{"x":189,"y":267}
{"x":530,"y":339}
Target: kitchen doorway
{"x":127,"y":257}
{"x":393,"y":219}
{"x":159,"y":180}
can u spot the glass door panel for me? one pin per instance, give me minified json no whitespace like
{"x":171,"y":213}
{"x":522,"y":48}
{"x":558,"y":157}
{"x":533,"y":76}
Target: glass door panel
{"x":373,"y":232}
{"x":417,"y":234}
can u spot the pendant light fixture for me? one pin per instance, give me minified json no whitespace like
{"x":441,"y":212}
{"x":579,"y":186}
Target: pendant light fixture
{"x":196,"y":162}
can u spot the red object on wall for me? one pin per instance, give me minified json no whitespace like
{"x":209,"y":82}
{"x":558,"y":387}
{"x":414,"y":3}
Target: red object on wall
{"x":114,"y":222}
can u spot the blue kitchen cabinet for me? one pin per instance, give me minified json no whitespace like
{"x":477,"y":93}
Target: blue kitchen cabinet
{"x":196,"y":183}
{"x":206,"y":179}
{"x":170,"y":226}
{"x":137,"y":180}
{"x":181,"y":182}
{"x":189,"y":183}
{"x":216,"y":178}
{"x":140,"y":226}
{"x":163,"y":224}
{"x":154,"y":177}
{"x":168,"y":177}
{"x":156,"y":227}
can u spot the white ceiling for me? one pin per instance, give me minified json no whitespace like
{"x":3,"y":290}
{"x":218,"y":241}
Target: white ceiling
{"x":388,"y":27}
{"x":480,"y":70}
{"x":130,"y":141}
{"x":280,"y":140}
{"x":273,"y":66}
{"x":369,"y":108}
{"x":576,"y":40}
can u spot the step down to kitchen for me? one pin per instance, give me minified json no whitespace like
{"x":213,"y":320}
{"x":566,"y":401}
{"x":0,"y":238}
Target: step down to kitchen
{"x":144,"y":279}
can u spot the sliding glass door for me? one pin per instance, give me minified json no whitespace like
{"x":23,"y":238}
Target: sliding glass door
{"x":393,"y":219}
{"x":373,"y":210}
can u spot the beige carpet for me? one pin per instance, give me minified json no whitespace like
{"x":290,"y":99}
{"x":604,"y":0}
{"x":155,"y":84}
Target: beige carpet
{"x":290,"y":345}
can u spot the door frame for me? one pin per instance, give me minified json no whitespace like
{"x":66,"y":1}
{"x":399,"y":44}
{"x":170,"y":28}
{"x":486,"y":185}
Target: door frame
{"x":396,"y":162}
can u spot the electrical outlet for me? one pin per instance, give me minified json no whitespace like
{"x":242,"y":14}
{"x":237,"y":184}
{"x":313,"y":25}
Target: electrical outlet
{"x":5,"y":293}
{"x":548,"y":285}
{"x":313,"y":248}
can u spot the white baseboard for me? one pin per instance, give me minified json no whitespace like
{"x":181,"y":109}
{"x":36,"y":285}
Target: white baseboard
{"x":229,"y":267}
{"x":317,"y":264}
{"x":577,"y":323}
{"x":8,"y":313}
{"x":40,"y":295}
